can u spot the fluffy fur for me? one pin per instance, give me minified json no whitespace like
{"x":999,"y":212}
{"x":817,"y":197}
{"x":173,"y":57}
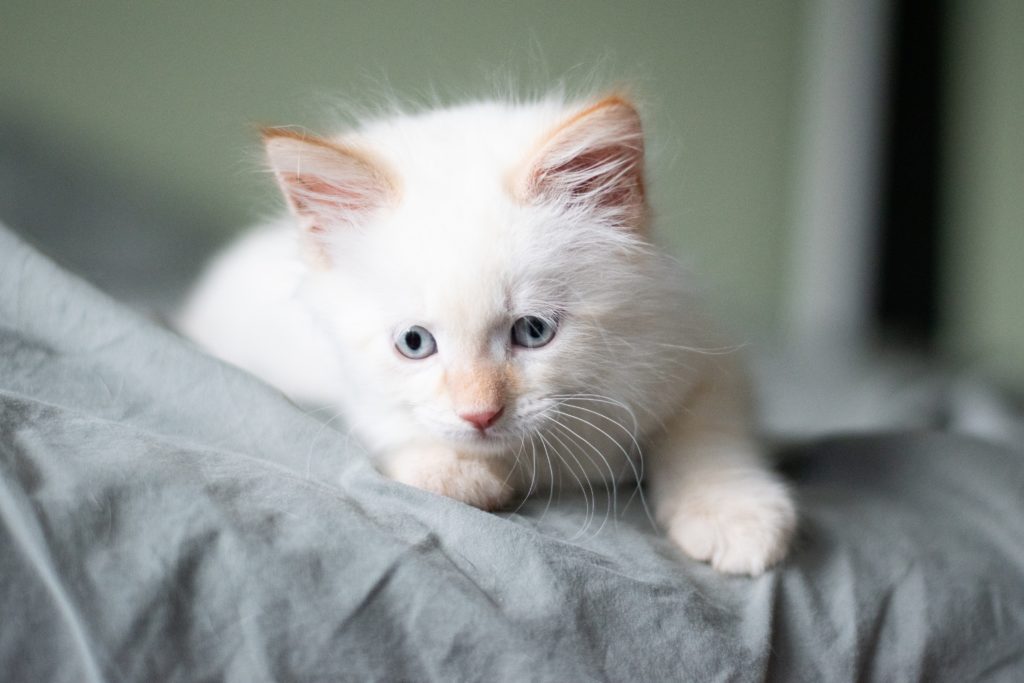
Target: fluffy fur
{"x":463,"y":221}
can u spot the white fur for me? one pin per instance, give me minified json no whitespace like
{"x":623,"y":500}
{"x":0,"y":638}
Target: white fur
{"x":460,"y":221}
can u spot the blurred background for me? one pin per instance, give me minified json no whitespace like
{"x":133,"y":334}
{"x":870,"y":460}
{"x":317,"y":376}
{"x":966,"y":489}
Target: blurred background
{"x":847,"y":178}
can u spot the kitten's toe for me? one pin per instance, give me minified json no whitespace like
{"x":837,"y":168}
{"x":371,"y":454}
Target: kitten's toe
{"x":482,"y":483}
{"x":740,"y":531}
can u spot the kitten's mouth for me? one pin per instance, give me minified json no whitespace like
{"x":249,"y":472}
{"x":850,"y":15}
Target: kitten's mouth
{"x":490,"y":440}
{"x":485,"y":435}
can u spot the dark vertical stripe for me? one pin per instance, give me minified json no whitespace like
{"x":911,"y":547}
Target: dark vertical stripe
{"x":907,"y":289}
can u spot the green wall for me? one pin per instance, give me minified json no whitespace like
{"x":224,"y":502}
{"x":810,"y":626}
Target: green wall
{"x":167,"y":91}
{"x":985,"y":251}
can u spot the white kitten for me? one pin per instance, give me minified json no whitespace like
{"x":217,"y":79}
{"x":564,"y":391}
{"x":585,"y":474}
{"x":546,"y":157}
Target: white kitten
{"x":475,"y":289}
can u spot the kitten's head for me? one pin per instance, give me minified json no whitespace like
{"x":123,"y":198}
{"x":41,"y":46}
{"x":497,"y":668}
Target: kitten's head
{"x":477,"y":266}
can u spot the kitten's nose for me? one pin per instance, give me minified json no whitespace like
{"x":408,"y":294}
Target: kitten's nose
{"x":482,"y":419}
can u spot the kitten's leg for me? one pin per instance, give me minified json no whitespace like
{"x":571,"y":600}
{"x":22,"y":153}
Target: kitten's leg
{"x":712,"y":491}
{"x":480,"y":481}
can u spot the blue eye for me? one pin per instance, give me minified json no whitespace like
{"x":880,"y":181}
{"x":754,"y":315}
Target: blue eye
{"x":531,"y":332}
{"x":416,"y":343}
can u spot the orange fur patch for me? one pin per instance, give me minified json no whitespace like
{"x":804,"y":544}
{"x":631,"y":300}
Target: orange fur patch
{"x":479,"y":386}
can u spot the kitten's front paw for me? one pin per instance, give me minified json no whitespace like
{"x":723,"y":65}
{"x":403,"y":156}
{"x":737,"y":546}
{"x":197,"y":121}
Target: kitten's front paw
{"x":480,"y":482}
{"x":741,"y":527}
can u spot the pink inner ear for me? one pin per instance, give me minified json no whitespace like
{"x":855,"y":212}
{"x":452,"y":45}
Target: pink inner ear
{"x":327,"y":185}
{"x":605,"y":174}
{"x":311,"y":194}
{"x":594,"y":160}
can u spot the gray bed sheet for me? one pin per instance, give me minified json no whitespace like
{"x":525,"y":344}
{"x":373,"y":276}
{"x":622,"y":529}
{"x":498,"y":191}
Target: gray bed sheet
{"x":165,"y":517}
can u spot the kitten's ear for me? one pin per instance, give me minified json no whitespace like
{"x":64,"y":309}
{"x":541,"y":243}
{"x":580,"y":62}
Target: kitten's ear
{"x":595,"y":160}
{"x":327,"y":185}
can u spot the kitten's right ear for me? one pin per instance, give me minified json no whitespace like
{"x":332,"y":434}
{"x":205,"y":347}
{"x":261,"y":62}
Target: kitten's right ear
{"x":595,"y":161}
{"x":327,"y":185}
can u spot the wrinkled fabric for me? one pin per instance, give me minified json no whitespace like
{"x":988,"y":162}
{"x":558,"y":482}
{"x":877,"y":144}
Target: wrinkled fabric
{"x":165,"y":517}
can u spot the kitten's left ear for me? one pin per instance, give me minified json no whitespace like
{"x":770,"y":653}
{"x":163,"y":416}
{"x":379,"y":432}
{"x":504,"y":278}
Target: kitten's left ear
{"x":594,"y":160}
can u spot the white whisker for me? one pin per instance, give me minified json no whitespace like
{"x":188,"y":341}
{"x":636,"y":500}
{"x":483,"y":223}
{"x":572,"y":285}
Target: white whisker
{"x":574,"y":475}
{"x":612,"y":491}
{"x":636,"y":464}
{"x":515,"y":464}
{"x":551,"y":473}
{"x":316,"y":437}
{"x":591,"y":507}
{"x":637,"y":472}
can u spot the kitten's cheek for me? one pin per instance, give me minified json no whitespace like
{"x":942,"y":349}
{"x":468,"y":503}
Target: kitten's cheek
{"x":477,"y":481}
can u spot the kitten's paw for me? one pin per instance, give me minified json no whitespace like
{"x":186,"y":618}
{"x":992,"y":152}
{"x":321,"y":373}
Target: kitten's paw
{"x":480,"y":482}
{"x":741,"y":527}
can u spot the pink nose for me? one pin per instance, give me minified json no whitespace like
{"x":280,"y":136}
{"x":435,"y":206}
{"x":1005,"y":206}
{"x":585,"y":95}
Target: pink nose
{"x":482,"y":419}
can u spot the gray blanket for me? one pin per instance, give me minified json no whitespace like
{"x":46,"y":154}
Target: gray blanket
{"x":164,"y":517}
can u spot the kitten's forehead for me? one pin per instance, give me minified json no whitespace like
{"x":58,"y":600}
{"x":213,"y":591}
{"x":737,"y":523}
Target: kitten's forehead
{"x":467,"y":271}
{"x":464,"y":134}
{"x":459,"y":152}
{"x":460,"y":276}
{"x":476,"y":258}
